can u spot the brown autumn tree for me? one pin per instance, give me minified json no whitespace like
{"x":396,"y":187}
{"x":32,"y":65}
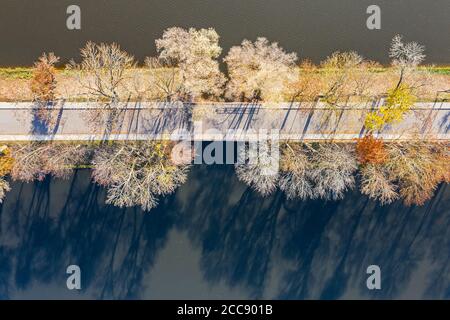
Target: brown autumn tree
{"x":43,"y":86}
{"x":376,"y":182}
{"x":370,"y":150}
{"x":43,"y":83}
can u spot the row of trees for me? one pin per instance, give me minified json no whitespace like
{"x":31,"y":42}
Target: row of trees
{"x":187,"y":69}
{"x":410,"y":171}
{"x":134,"y":174}
{"x":387,"y":171}
{"x":140,"y":172}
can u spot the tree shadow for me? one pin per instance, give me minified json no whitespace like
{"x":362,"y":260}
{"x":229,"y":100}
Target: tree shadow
{"x":361,"y":233}
{"x":240,"y":116}
{"x":167,"y":117}
{"x":318,"y":249}
{"x":114,"y":247}
{"x":300,"y":249}
{"x":444,"y":124}
{"x":46,"y":119}
{"x":235,"y":239}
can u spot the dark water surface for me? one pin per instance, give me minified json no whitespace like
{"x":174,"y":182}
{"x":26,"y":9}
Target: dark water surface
{"x":214,"y":238}
{"x":313,"y":28}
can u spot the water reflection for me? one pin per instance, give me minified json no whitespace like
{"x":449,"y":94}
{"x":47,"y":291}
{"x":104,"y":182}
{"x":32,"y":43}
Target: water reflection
{"x":234,"y":243}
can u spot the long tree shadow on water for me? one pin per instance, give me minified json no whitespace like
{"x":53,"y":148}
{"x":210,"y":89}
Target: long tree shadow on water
{"x":294,"y":249}
{"x":321,"y":249}
{"x":235,"y":235}
{"x":362,"y":233}
{"x":114,"y":247}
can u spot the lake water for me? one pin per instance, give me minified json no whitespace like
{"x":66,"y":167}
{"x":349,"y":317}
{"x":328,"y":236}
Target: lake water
{"x":313,"y":28}
{"x":215,"y":238}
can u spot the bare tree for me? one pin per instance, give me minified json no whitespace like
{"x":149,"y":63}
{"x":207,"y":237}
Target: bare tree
{"x":35,"y":160}
{"x":412,"y":171}
{"x":137,"y":173}
{"x":418,"y":167}
{"x":377,"y":184}
{"x":294,"y":178}
{"x":324,"y":170}
{"x":346,"y":74}
{"x":332,"y":170}
{"x":308,"y":85}
{"x":258,"y":167}
{"x":405,"y":56}
{"x":260,"y":70}
{"x":165,"y":79}
{"x":195,"y":53}
{"x":102,"y":73}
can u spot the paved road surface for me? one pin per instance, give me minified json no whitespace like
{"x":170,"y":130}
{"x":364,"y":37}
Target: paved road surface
{"x":224,"y":121}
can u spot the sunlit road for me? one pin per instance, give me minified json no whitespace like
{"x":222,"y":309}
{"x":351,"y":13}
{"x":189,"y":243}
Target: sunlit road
{"x":224,"y":121}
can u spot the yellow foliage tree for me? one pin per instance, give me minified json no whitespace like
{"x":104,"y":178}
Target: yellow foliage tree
{"x":399,"y":101}
{"x":6,"y":161}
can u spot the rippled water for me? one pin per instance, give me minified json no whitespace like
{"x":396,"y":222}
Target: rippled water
{"x":215,"y":238}
{"x":313,"y":28}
